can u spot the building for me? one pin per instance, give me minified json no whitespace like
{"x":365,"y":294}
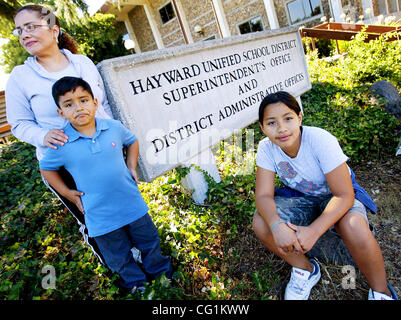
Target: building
{"x":156,"y":24}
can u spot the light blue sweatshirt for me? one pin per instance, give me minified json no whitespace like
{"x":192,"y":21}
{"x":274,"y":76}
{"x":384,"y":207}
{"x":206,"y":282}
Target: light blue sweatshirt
{"x":31,"y":110}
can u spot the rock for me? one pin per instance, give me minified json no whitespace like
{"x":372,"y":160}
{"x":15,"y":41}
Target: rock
{"x":330,"y":248}
{"x":385,"y":89}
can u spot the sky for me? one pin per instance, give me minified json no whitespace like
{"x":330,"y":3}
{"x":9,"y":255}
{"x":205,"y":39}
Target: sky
{"x":93,"y":5}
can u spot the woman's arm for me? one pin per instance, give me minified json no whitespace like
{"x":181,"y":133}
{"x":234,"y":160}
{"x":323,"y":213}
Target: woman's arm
{"x":23,"y":122}
{"x":339,"y":181}
{"x":284,"y":237}
{"x":54,"y":179}
{"x":20,"y":116}
{"x":132,"y":159}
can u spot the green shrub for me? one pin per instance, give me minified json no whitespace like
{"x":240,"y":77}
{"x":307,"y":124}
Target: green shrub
{"x":339,"y":100}
{"x":36,"y":231}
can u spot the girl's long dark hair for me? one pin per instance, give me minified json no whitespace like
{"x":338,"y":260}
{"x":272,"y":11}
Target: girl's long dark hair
{"x":64,"y":40}
{"x":280,"y":96}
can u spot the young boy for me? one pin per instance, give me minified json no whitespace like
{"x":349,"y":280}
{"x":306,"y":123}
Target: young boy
{"x":107,"y":191}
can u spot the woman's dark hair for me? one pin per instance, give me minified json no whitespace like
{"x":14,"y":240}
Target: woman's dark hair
{"x":64,"y":40}
{"x":280,"y":96}
{"x":67,"y":84}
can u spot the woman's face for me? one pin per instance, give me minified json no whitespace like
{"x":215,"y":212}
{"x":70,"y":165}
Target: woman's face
{"x":41,"y":40}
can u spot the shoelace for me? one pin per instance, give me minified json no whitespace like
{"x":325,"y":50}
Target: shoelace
{"x":297,"y":284}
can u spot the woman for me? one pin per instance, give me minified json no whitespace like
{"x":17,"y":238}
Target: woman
{"x":31,"y":110}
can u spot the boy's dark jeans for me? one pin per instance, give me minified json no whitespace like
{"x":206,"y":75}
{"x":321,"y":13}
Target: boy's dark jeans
{"x":116,"y":249}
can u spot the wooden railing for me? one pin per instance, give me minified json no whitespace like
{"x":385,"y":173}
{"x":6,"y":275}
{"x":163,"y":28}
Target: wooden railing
{"x":5,"y":128}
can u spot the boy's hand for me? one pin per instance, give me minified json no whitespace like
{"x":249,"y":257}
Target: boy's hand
{"x":286,"y":240}
{"x":75,"y":197}
{"x":134,"y":175}
{"x":306,"y":236}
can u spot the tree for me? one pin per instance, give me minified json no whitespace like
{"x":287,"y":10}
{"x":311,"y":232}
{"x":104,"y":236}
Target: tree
{"x":65,"y":8}
{"x":98,"y":38}
{"x":7,"y":9}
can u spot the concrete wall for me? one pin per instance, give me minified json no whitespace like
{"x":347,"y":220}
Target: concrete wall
{"x":238,"y":11}
{"x":143,"y":32}
{"x":201,"y":13}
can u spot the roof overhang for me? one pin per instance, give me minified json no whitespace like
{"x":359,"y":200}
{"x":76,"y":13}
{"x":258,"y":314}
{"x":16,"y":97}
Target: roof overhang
{"x":120,"y":8}
{"x":346,"y":31}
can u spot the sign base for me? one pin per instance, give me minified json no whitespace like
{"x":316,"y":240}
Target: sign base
{"x":194,"y":182}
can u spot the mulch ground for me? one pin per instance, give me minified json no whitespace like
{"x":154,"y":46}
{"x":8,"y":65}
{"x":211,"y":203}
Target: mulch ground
{"x":382,"y":179}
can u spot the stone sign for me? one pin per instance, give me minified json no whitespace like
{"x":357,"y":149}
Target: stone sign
{"x":180,"y":101}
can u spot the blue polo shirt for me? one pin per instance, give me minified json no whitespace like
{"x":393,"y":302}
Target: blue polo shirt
{"x":111,"y":196}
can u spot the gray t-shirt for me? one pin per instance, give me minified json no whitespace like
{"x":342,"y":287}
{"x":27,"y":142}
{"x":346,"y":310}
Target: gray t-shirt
{"x":318,"y":154}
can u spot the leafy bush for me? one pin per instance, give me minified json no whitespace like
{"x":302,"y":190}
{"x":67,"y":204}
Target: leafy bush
{"x":339,"y":100}
{"x":36,"y":231}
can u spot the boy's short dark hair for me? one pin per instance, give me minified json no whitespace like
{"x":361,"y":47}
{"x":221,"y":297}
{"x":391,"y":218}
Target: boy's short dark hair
{"x":280,"y":96}
{"x":67,"y":84}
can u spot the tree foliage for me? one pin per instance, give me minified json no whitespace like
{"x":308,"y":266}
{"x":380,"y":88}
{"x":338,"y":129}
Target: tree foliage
{"x":65,"y":8}
{"x":97,"y":36}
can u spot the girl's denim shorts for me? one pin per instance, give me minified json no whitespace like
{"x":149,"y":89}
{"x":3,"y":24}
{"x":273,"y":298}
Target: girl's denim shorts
{"x":302,"y":211}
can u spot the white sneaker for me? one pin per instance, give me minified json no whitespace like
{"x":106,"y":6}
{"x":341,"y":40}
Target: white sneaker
{"x":301,"y":282}
{"x":374,"y":295}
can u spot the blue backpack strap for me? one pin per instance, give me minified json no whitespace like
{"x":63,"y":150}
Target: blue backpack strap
{"x":362,"y":195}
{"x":288,"y":192}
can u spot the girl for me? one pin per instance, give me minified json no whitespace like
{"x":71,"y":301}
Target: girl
{"x":319,"y":193}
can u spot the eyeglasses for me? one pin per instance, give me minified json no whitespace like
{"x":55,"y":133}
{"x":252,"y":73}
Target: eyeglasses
{"x":29,"y":28}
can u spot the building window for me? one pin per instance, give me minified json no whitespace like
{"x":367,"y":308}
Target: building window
{"x":253,"y":25}
{"x":382,"y":7}
{"x":212,"y":37}
{"x":389,"y":7}
{"x":301,"y":10}
{"x":167,"y":13}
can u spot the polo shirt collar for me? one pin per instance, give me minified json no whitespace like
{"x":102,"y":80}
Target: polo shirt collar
{"x":73,"y":134}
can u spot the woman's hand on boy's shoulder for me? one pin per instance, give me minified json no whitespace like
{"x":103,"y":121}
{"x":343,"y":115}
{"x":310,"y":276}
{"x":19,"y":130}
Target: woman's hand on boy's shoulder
{"x":55,"y":137}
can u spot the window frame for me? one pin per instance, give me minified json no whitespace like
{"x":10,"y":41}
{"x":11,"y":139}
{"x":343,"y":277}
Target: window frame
{"x":210,"y":37}
{"x":249,"y":20}
{"x":287,"y":11}
{"x":163,"y":7}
